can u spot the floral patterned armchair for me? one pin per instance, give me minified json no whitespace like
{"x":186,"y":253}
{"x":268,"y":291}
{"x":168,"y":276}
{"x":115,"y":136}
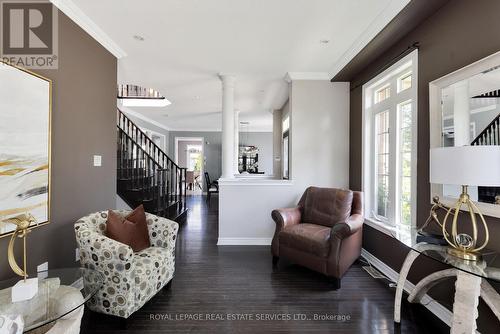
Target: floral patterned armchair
{"x":130,"y":279}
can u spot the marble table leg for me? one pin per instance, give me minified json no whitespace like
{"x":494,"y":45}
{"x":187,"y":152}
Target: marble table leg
{"x":467,"y":292}
{"x":412,"y":255}
{"x":428,"y":282}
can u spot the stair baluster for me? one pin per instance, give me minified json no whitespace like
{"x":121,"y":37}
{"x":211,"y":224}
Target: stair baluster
{"x":146,"y":175}
{"x":489,"y":136}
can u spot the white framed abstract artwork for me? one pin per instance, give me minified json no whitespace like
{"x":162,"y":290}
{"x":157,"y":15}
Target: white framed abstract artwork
{"x":25,"y":119}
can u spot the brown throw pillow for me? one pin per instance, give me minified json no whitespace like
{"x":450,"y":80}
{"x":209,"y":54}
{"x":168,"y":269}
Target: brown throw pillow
{"x":131,"y":230}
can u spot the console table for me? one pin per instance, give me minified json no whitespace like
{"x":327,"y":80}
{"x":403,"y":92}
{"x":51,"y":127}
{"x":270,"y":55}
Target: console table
{"x":471,"y":281}
{"x":58,"y":305}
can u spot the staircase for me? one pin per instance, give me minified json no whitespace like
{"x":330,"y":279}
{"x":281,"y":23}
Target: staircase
{"x":489,"y":136}
{"x":146,"y":175}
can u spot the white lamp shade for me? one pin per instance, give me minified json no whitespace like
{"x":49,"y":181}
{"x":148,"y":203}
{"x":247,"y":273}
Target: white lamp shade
{"x":466,"y":165}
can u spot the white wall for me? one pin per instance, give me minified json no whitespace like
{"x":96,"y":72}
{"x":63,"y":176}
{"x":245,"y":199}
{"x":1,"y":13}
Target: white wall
{"x":319,"y":121}
{"x":121,"y":205}
{"x":245,"y":209}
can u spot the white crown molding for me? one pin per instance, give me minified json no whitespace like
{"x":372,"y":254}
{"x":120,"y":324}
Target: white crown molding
{"x":292,"y":76}
{"x":431,"y":304}
{"x":74,"y":12}
{"x":141,"y":116}
{"x":376,"y":26}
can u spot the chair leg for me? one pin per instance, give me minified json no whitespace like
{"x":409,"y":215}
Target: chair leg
{"x":275,"y":260}
{"x":335,"y":282}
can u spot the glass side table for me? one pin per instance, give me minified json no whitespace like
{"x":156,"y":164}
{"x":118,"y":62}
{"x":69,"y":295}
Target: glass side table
{"x":471,"y":280}
{"x":61,"y":295}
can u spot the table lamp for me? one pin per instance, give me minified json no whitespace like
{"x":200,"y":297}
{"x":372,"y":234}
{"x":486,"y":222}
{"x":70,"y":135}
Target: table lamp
{"x":465,"y":166}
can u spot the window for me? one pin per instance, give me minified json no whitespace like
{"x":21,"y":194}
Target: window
{"x":389,"y":144}
{"x":382,"y":94}
{"x":194,"y":157}
{"x":404,"y":82}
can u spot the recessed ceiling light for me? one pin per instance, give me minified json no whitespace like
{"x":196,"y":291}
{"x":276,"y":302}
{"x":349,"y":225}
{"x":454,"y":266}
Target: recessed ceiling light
{"x":197,"y":97}
{"x":138,"y":38}
{"x":324,"y":41}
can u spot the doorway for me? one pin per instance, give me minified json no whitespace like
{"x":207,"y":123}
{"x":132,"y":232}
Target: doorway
{"x":189,"y":155}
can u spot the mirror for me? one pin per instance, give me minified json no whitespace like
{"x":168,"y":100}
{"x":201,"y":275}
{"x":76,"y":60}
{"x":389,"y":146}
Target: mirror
{"x":465,"y":110}
{"x":25,"y":108}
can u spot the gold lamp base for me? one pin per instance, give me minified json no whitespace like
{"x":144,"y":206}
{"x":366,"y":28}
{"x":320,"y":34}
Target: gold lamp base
{"x":463,"y":255}
{"x":465,"y":246}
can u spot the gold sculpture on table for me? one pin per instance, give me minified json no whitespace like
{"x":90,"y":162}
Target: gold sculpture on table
{"x":433,"y":217}
{"x":22,"y":223}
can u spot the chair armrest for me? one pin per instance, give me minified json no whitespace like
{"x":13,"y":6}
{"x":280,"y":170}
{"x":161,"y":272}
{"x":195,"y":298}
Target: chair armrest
{"x":344,"y":230}
{"x":162,"y":231}
{"x":286,"y":216}
{"x":102,"y":253}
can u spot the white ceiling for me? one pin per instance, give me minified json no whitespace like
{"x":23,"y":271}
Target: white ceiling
{"x":188,"y":42}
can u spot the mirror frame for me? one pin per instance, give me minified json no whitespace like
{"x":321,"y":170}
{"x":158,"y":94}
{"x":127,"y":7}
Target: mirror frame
{"x":49,"y":192}
{"x":435,"y":119}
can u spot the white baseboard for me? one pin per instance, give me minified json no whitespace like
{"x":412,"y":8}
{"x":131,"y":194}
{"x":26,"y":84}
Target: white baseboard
{"x":431,"y":304}
{"x":244,"y":241}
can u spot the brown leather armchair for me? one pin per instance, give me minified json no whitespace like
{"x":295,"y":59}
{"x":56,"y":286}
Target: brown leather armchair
{"x":323,"y":233}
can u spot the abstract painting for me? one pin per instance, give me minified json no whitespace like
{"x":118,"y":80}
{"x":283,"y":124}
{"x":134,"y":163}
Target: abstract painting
{"x":25,"y":105}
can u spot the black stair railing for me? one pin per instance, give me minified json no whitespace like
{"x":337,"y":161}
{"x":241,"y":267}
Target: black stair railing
{"x":489,"y":136}
{"x":146,"y":175}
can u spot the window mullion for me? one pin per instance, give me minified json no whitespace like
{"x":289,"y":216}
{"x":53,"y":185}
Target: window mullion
{"x":393,"y":159}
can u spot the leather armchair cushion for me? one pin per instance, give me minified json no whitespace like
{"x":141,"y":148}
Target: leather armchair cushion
{"x":327,"y":206}
{"x":310,"y":238}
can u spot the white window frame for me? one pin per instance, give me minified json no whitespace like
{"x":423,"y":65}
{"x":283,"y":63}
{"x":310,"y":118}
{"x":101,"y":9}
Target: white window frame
{"x":369,"y":109}
{"x":400,"y":80}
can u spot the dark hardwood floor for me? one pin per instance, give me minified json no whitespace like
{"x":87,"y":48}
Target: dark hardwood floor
{"x":239,"y":281}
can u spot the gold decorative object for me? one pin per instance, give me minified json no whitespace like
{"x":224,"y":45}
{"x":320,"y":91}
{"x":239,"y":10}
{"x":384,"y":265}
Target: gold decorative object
{"x":465,"y":166}
{"x":433,"y":217}
{"x":22,"y":223}
{"x":464,"y":245}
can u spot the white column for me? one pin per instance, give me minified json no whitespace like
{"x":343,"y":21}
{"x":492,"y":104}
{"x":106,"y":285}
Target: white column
{"x":461,"y":113}
{"x":227,"y":126}
{"x":236,"y":140}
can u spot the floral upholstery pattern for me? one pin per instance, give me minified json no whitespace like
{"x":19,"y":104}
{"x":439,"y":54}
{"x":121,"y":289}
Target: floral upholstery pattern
{"x":131,"y":279}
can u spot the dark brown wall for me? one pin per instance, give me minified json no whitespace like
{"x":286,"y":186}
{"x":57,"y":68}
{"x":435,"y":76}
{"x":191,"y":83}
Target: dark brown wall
{"x":456,"y":34}
{"x":83,"y":124}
